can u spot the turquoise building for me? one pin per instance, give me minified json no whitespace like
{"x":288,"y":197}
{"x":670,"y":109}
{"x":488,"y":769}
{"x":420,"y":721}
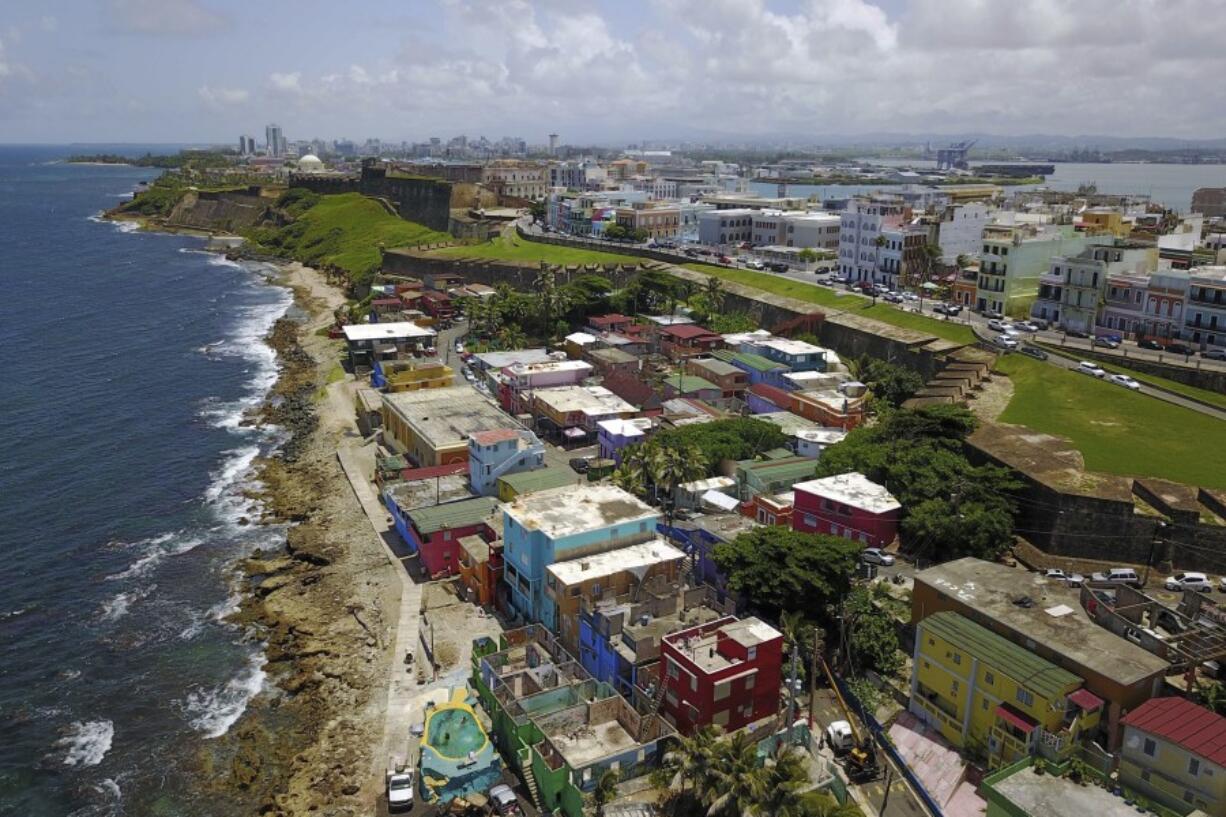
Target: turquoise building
{"x":565,"y":523}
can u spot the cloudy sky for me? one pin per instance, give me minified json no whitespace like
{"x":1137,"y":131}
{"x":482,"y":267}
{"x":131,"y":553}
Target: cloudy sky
{"x":621,"y":70}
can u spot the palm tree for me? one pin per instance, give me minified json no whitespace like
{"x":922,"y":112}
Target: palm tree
{"x":512,"y":337}
{"x":693,"y":760}
{"x":714,"y":292}
{"x":738,"y":782}
{"x":606,"y":790}
{"x":630,"y":480}
{"x":670,"y":467}
{"x":782,"y":781}
{"x":821,"y":804}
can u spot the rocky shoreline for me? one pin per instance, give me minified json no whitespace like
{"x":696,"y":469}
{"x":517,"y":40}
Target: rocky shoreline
{"x":324,"y":605}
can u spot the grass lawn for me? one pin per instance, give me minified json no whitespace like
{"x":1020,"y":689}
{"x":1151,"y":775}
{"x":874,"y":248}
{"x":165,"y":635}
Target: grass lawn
{"x":1204,"y":395}
{"x":511,"y":247}
{"x":1117,"y":431}
{"x":346,"y":231}
{"x":839,"y":299}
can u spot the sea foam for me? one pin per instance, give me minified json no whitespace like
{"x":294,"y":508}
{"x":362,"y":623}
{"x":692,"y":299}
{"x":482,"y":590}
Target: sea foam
{"x":213,"y":711}
{"x":85,"y":743}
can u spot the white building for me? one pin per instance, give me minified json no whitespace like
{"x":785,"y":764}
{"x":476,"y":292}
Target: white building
{"x":860,"y":229}
{"x":959,"y":231}
{"x":722,"y":227}
{"x":796,"y":229}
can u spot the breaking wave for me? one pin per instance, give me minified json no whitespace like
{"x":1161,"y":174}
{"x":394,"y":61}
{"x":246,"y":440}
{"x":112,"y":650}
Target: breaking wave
{"x":85,"y":743}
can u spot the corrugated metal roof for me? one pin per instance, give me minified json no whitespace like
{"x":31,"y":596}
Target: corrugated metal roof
{"x":542,"y":479}
{"x":756,"y":362}
{"x":1024,"y":667}
{"x":690,"y":383}
{"x":453,"y":515}
{"x":1184,"y":723}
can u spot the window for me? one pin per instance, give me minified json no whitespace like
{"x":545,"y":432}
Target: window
{"x":953,"y":687}
{"x":749,"y":682}
{"x":957,"y":658}
{"x":1150,"y":748}
{"x":989,"y":678}
{"x":723,"y":690}
{"x":1025,"y":697}
{"x":984,"y":702}
{"x":721,"y":718}
{"x":1193,"y":766}
{"x":596,"y":589}
{"x":752,"y":653}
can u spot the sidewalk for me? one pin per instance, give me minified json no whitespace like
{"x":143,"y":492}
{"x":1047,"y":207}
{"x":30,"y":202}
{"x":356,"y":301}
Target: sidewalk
{"x":402,"y":686}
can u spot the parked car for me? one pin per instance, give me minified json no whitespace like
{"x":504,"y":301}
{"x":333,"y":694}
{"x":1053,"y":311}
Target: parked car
{"x":1216,"y":353}
{"x":1092,"y":369}
{"x":1146,"y":343}
{"x":503,"y":800}
{"x":1118,"y":575}
{"x":1125,"y":381}
{"x":1179,"y":348}
{"x":1025,"y":326}
{"x":1034,"y":352}
{"x":876,"y":556}
{"x":691,"y":252}
{"x":1041,"y":324}
{"x":1005,"y":341}
{"x":1189,"y":581}
{"x":580,"y":465}
{"x":1071,"y":579}
{"x":723,"y":259}
{"x":892,"y":297}
{"x":997,"y":325}
{"x":991,"y":313}
{"x":1106,"y":343}
{"x":910,"y":296}
{"x":400,"y":791}
{"x":1076,"y":333}
{"x":947,"y":309}
{"x":754,"y":263}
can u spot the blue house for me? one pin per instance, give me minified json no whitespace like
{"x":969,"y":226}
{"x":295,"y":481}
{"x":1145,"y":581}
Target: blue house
{"x":698,"y":537}
{"x":756,"y":367}
{"x":797,"y":355}
{"x":500,"y":452}
{"x":544,"y":527}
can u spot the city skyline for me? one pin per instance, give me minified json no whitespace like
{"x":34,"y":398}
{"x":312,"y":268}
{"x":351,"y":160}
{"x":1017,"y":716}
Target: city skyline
{"x":605,"y":73}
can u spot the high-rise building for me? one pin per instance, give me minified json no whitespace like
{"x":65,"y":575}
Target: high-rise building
{"x":246,"y":145}
{"x":274,"y":140}
{"x":553,"y":143}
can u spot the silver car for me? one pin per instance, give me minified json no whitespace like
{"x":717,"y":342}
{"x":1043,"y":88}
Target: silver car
{"x":876,"y":556}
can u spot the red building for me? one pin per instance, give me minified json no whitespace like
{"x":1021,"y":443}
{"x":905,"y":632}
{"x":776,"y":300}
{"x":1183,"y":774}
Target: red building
{"x":435,"y":531}
{"x":848,"y":505}
{"x":687,"y":340}
{"x":612,"y":322}
{"x":437,"y":305}
{"x":727,"y":672}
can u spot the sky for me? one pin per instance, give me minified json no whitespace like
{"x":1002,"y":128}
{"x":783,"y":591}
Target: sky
{"x":607,"y":72}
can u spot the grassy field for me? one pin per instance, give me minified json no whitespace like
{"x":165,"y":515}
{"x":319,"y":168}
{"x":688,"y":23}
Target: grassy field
{"x":839,"y":299}
{"x":1117,"y":431}
{"x":345,"y":231}
{"x":1204,"y":395}
{"x":511,"y":247}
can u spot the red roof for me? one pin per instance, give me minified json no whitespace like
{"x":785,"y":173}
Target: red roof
{"x":1085,"y":699}
{"x":1183,"y":723}
{"x":386,"y":302}
{"x":436,"y":296}
{"x":773,"y":394}
{"x":608,"y":320}
{"x":494,"y":437}
{"x":633,"y":390}
{"x":688,"y":331}
{"x":1016,"y":718}
{"x":433,"y":471}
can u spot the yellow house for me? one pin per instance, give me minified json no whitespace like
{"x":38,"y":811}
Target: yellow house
{"x":988,"y":695}
{"x":1175,"y":752}
{"x":404,"y":375}
{"x":1105,"y":221}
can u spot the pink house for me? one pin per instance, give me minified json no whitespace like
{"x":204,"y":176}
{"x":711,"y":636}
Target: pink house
{"x":849,"y":505}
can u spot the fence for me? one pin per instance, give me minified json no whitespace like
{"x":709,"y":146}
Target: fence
{"x":879,"y":735}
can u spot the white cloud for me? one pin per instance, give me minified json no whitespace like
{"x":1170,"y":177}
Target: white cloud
{"x":222,"y":97}
{"x":179,"y":17}
{"x":287,"y":83}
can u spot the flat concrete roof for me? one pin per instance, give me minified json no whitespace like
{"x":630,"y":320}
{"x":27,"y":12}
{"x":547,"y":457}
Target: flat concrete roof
{"x":990,"y":590}
{"x":577,"y":508}
{"x":1053,"y":796}
{"x":424,"y":493}
{"x":584,"y":744}
{"x":634,"y":558}
{"x":594,"y":401}
{"x":447,"y":416}
{"x":852,"y":489}
{"x":385,"y":331}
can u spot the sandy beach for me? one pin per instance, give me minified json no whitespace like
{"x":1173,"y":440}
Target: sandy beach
{"x":326,"y":605}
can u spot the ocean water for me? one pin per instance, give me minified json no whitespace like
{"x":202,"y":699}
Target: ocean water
{"x":128,"y":361}
{"x":1168,"y":185}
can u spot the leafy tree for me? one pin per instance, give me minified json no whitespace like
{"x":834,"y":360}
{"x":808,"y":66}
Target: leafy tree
{"x":959,"y":509}
{"x":672,"y":466}
{"x":1213,"y":698}
{"x":821,"y":804}
{"x":872,"y":640}
{"x":714,"y":292}
{"x":807,"y":254}
{"x":640,"y":235}
{"x":727,"y":323}
{"x":781,"y":781}
{"x":606,"y":790}
{"x":616,"y":232}
{"x":778,"y":569}
{"x":889,"y":382}
{"x":512,"y":337}
{"x":588,"y":295}
{"x":738,"y":438}
{"x":738,"y":785}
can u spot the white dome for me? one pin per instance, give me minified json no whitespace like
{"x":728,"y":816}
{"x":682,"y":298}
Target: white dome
{"x":310,"y":161}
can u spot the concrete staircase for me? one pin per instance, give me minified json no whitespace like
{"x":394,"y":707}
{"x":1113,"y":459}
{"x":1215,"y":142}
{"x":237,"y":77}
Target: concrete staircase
{"x":530,"y":782}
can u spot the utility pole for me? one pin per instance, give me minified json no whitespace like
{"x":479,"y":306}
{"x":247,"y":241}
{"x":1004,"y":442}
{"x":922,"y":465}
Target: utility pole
{"x":1153,"y":545}
{"x":817,"y":648}
{"x":889,"y":774}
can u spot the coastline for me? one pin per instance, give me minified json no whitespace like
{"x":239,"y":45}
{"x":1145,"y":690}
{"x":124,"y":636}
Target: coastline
{"x":324,"y":605}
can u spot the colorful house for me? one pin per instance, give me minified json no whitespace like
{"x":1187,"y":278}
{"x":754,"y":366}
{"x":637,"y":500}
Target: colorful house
{"x":849,"y":505}
{"x":609,"y":359}
{"x":558,"y":728}
{"x":615,"y":435}
{"x":481,"y":569}
{"x":410,"y":375}
{"x":435,"y":532}
{"x":797,"y":355}
{"x":770,"y":477}
{"x":772,"y":509}
{"x":830,"y":408}
{"x":613,"y":322}
{"x":765,"y":399}
{"x":699,"y":536}
{"x":432,"y":426}
{"x":527,"y":482}
{"x":757,"y":368}
{"x":688,"y":385}
{"x":576,"y":582}
{"x":368,"y":342}
{"x":521,"y":381}
{"x":725,"y":672}
{"x":1175,"y":752}
{"x":731,"y":380}
{"x":681,"y":341}
{"x":500,"y":452}
{"x":566,"y":523}
{"x":990,"y":696}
